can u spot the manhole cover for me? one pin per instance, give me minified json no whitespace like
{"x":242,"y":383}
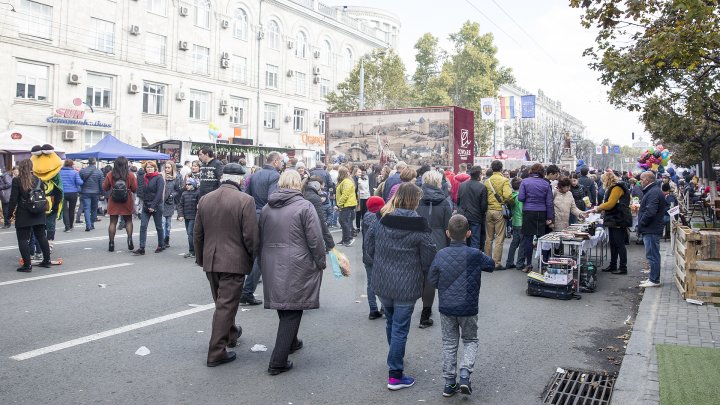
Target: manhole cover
{"x":569,"y":386}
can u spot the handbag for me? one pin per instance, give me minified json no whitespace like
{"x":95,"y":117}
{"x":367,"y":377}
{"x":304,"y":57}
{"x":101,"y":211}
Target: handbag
{"x":506,"y":211}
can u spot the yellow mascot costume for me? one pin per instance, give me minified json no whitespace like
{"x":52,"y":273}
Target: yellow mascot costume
{"x":46,"y":166}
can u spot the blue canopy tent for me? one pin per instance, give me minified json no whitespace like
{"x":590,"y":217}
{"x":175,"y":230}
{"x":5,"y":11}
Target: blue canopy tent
{"x":110,"y":148}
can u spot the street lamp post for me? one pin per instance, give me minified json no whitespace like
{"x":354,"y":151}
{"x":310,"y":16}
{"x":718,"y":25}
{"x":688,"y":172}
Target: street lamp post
{"x":361,"y":101}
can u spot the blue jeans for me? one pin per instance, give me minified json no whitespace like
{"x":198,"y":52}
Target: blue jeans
{"x":167,"y":223}
{"x":329,"y":212}
{"x":90,"y":205}
{"x":477,"y":238}
{"x":189,"y":226}
{"x":397,"y":326}
{"x":517,"y":238}
{"x":144,"y":220}
{"x":333,"y":218}
{"x":372,"y":301}
{"x":652,"y":253}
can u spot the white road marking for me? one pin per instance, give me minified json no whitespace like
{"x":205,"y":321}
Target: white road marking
{"x":67,"y":273}
{"x":108,"y":333}
{"x":65,"y":242}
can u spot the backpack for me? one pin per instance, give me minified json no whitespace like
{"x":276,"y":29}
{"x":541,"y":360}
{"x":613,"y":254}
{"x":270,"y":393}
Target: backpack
{"x":37,"y":202}
{"x":119,"y":191}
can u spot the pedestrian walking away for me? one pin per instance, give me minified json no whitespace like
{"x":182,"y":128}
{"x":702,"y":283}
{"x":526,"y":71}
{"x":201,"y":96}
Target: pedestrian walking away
{"x":5,"y":190}
{"x":90,"y":192}
{"x":226,"y":241}
{"x":536,"y":195}
{"x":472,"y":202}
{"x":650,"y":224}
{"x":374,"y":204}
{"x":402,"y":249}
{"x":435,"y":208}
{"x":292,"y":258}
{"x":456,"y":272}
{"x":261,"y":185}
{"x":72,"y":184}
{"x":121,"y":185}
{"x":153,"y":191}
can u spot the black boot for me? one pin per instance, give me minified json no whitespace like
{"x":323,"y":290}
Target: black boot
{"x":167,"y":241}
{"x":609,"y":268}
{"x":425,"y":320}
{"x":620,"y":270}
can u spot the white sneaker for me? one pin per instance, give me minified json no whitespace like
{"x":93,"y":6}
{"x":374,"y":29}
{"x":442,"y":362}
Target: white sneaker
{"x":648,"y":283}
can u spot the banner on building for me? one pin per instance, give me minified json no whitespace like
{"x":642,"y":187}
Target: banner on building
{"x":616,"y":149}
{"x":528,"y":106}
{"x":507,"y":107}
{"x":487,"y":108}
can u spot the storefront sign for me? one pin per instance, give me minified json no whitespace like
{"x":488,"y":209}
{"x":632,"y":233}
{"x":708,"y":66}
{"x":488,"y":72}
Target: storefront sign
{"x":71,"y":116}
{"x":312,"y":139}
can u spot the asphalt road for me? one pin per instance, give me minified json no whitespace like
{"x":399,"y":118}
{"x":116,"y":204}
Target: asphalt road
{"x":73,"y":338}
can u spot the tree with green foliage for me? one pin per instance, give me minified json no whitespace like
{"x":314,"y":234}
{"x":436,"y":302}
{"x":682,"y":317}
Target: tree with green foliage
{"x":662,"y":57}
{"x":428,"y":89}
{"x":385,"y":85}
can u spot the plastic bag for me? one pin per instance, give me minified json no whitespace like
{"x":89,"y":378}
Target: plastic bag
{"x":340,"y":264}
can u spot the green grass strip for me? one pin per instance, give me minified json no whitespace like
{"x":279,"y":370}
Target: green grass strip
{"x":688,"y":375}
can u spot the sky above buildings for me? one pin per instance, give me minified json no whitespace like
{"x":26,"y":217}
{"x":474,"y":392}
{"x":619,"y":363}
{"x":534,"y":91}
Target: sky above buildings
{"x":544,"y":50}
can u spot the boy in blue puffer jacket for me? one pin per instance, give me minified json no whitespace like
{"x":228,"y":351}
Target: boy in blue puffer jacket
{"x":456,"y":272}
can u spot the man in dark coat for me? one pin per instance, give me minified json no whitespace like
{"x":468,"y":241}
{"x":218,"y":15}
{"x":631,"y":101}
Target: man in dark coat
{"x":650,"y":224}
{"x":589,"y":186}
{"x":261,"y":185}
{"x":472,"y":202}
{"x":90,"y":192}
{"x":210,"y":172}
{"x":226,"y":242}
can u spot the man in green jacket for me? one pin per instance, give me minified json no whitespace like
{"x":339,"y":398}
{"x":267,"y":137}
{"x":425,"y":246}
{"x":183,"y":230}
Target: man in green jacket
{"x":499,"y":193}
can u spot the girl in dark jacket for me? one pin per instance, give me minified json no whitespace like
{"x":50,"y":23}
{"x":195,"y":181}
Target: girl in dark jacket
{"x":187,"y":209}
{"x":153,"y":191}
{"x":435,"y":207}
{"x":28,"y":223}
{"x":173,"y":189}
{"x":402,"y":249}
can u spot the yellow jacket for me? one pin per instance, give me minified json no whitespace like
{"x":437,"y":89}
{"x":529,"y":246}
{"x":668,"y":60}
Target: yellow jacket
{"x":502,"y":187}
{"x":345,"y":194}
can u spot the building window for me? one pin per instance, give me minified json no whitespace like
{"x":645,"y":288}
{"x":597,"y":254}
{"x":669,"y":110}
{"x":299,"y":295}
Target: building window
{"x":103,"y":35}
{"x":321,"y":123}
{"x":199,"y":105}
{"x":238,"y":110}
{"x":155,"y":48}
{"x":154,"y":98}
{"x":36,"y":19}
{"x":299,"y":119}
{"x":240,"y":24}
{"x":271,"y":77}
{"x":157,"y":6}
{"x":324,"y":87}
{"x":239,"y":69}
{"x":327,"y":51}
{"x":91,"y":137}
{"x":349,"y":59}
{"x":202,"y":13}
{"x":301,"y":45}
{"x":201,"y":56}
{"x":272,"y":111}
{"x":273,"y":35}
{"x":32,"y":81}
{"x":99,"y":90}
{"x":300,"y":83}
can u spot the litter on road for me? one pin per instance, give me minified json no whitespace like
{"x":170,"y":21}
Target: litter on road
{"x":142,"y":351}
{"x":258,"y":348}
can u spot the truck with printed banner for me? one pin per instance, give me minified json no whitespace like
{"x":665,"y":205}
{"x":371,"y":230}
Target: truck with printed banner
{"x":438,"y":136}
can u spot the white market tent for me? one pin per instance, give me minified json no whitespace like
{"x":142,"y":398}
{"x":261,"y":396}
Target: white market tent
{"x":20,"y":145}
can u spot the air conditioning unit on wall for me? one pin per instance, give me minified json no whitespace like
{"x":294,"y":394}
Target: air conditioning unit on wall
{"x":180,"y":96}
{"x":225,"y":24}
{"x":223,"y":110}
{"x":134,"y":30}
{"x":133,"y":88}
{"x":73,"y":78}
{"x":316,"y":70}
{"x":316,"y":54}
{"x":224,"y":63}
{"x":290,"y":73}
{"x":288,"y":118}
{"x":184,"y":11}
{"x":291,"y":44}
{"x":183,"y":45}
{"x":70,"y":135}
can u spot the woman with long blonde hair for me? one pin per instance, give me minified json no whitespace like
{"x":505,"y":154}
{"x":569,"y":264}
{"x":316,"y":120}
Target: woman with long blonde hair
{"x":616,"y":218}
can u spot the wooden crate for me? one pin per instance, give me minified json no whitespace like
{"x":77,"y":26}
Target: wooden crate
{"x":695,"y":276}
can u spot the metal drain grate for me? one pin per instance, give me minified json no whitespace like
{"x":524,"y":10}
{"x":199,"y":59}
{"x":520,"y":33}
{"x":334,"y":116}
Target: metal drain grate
{"x":578,"y":387}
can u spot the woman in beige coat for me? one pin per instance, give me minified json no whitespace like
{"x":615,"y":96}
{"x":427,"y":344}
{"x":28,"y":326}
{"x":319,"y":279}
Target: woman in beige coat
{"x":564,"y":205}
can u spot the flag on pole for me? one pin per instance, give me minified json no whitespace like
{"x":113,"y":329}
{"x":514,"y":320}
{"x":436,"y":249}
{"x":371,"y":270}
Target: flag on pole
{"x":598,"y":150}
{"x":606,"y":149}
{"x":487,"y":108}
{"x":528,"y":106}
{"x":507,"y":107}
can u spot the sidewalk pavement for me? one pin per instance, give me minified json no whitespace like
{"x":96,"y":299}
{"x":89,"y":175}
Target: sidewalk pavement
{"x":663,"y":318}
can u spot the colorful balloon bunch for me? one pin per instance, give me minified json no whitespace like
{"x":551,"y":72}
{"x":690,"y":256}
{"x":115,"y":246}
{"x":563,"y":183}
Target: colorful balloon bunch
{"x":214,"y":131}
{"x":654,"y":158}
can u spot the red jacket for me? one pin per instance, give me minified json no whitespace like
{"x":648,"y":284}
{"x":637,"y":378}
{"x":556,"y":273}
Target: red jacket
{"x":458,"y":179}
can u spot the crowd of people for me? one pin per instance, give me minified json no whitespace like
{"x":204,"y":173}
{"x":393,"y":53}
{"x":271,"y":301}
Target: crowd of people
{"x":422,"y":230}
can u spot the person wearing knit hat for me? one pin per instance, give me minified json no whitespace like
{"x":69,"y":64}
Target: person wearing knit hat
{"x":374,"y":204}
